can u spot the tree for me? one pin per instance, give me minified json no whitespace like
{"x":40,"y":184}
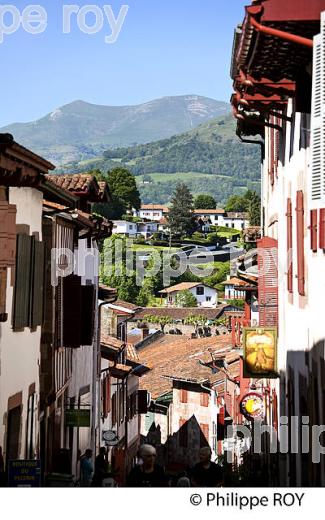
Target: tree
{"x":253,"y":208}
{"x":180,"y":215}
{"x":204,"y":201}
{"x":158,"y":320}
{"x":186,"y":299}
{"x":124,"y":193}
{"x":236,"y":203}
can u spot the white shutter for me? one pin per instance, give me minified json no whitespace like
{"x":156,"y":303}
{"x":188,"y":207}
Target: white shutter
{"x":317,"y":177}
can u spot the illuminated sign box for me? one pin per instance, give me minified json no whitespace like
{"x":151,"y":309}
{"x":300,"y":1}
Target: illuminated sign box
{"x":260,"y":352}
{"x":77,"y":418}
{"x":24,"y":473}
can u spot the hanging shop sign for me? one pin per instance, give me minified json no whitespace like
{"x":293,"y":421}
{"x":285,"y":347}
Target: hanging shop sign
{"x":77,"y":418}
{"x":252,"y":406}
{"x":24,"y":473}
{"x":110,"y":438}
{"x":260,"y":352}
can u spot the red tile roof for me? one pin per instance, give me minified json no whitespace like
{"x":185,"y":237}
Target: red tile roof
{"x":235,"y":281}
{"x":154,"y":207}
{"x":184,"y":286}
{"x":180,"y":313}
{"x":217,"y":211}
{"x":179,"y":357}
{"x":81,"y":184}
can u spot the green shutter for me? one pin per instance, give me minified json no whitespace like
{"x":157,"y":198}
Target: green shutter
{"x":37,"y":284}
{"x":21,"y":307}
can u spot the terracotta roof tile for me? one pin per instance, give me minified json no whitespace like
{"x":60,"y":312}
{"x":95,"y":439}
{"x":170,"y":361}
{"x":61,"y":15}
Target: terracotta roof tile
{"x":110,"y":341}
{"x":179,"y":357}
{"x":235,"y":281}
{"x":179,"y":313}
{"x":154,"y":207}
{"x":184,"y":286}
{"x":217,"y":211}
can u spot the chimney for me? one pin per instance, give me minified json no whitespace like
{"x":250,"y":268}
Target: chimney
{"x":144,"y":331}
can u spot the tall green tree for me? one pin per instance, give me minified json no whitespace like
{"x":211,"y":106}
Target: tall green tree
{"x":186,"y":299}
{"x":124,"y":193}
{"x":180,"y":215}
{"x":254,"y":208}
{"x":204,"y":201}
{"x":236,"y":203}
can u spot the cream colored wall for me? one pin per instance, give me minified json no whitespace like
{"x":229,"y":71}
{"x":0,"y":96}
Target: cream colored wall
{"x":20,"y":351}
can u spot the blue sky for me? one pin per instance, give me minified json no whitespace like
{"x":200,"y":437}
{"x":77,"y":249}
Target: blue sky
{"x":165,"y":48}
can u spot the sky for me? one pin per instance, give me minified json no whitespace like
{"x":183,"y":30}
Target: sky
{"x":164,"y":48}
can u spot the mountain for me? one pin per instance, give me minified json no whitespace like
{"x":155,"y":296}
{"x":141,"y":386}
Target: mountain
{"x":82,"y":130}
{"x":209,"y":158}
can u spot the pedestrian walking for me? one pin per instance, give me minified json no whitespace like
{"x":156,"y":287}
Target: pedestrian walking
{"x":206,"y":473}
{"x":86,"y":468}
{"x":101,"y":468}
{"x":147,"y":474}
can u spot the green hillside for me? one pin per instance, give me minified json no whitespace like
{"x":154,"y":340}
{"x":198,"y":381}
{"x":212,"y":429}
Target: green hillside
{"x":209,"y":158}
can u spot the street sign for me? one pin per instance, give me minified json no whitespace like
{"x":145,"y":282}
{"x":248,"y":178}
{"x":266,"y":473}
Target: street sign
{"x":77,"y":418}
{"x":24,"y":473}
{"x":260,"y":352}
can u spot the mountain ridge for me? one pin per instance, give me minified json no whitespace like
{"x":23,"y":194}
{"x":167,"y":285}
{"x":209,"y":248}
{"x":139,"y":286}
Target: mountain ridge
{"x":81,"y":130}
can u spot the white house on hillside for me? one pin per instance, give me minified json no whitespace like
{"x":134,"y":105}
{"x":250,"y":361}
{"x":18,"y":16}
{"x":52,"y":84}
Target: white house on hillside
{"x":152,"y":212}
{"x":133,"y":229}
{"x":205,"y":296}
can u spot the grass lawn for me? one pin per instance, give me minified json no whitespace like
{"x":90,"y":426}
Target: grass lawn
{"x":146,"y":248}
{"x":179,"y":176}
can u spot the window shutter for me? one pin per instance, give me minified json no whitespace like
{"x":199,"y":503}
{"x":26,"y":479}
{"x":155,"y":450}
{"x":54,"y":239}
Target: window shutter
{"x":21,"y":308}
{"x":322,"y":228}
{"x":204,"y":434}
{"x":71,"y":314}
{"x":313,"y":230}
{"x":289,"y":246}
{"x":317,"y":177}
{"x":106,"y":396}
{"x":142,"y":401}
{"x":204,"y":399}
{"x":3,"y":293}
{"x":183,"y":396}
{"x":114,"y":409}
{"x":7,"y":234}
{"x":268,"y":282}
{"x":87,"y":314}
{"x":37,"y":284}
{"x":271,"y":155}
{"x":300,"y":243}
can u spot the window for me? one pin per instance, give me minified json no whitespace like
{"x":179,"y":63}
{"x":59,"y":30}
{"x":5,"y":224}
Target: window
{"x":200,"y":290}
{"x":208,"y":298}
{"x":183,"y":396}
{"x":204,"y":399}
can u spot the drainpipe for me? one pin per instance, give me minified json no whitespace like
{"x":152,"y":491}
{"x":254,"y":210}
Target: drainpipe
{"x":300,"y":40}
